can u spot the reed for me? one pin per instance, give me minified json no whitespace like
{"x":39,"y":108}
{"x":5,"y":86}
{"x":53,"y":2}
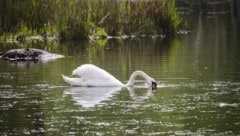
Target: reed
{"x":81,"y":19}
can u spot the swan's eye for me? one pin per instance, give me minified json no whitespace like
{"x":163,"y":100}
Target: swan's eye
{"x":154,"y":85}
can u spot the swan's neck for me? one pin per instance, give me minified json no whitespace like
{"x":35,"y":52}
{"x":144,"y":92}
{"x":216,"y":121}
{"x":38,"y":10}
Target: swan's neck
{"x":139,"y":73}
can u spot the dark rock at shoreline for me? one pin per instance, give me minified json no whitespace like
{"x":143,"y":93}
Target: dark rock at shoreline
{"x":29,"y":54}
{"x":22,"y":54}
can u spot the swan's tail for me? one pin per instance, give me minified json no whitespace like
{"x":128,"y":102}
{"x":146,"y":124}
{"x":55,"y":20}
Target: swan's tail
{"x":72,"y":81}
{"x":67,"y":79}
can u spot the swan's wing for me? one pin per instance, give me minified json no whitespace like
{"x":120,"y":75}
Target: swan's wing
{"x":77,"y":81}
{"x":92,"y":73}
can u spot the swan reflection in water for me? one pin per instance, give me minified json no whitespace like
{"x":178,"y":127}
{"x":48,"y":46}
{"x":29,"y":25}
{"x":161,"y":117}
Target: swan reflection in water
{"x":140,"y":98}
{"x":91,"y":96}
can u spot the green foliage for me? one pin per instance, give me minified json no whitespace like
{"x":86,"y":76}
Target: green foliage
{"x":164,"y":16}
{"x":74,"y":31}
{"x":99,"y":33}
{"x":79,"y":19}
{"x":172,"y":16}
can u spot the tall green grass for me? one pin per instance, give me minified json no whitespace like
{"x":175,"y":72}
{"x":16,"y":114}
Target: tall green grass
{"x":79,"y":19}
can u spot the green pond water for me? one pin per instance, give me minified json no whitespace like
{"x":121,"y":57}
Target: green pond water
{"x":198,"y":92}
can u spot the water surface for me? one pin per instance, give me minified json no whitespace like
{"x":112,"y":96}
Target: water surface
{"x":198,"y":91}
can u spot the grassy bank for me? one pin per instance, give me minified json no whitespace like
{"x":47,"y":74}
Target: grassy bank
{"x":84,"y":19}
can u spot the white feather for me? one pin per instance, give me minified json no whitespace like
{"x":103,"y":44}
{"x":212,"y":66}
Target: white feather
{"x":91,"y":75}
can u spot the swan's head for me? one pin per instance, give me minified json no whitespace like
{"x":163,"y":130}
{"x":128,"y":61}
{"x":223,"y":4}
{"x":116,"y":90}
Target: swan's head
{"x":151,"y":82}
{"x":154,"y":85}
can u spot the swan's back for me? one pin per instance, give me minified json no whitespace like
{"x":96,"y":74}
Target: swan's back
{"x":91,"y":71}
{"x":92,"y":75}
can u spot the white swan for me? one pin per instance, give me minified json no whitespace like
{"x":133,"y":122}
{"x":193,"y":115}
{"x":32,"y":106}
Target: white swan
{"x":93,"y":76}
